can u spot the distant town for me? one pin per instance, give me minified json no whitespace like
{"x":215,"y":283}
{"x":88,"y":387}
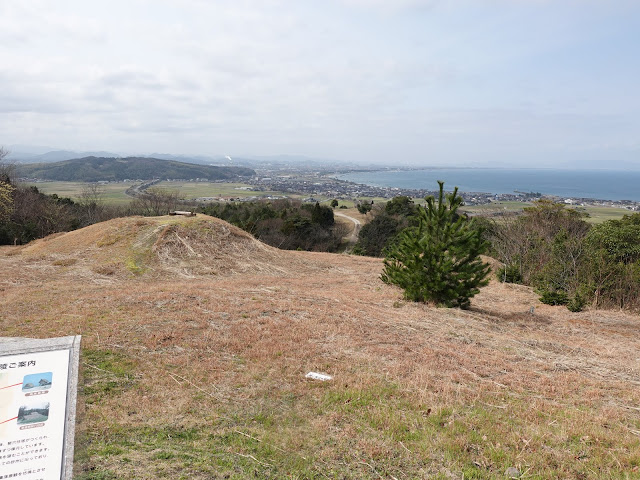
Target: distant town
{"x":323,"y":183}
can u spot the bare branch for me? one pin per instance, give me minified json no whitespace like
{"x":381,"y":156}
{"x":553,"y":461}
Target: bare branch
{"x":7,"y":168}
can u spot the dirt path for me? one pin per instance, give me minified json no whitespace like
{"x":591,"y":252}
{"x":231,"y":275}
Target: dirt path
{"x":352,"y":239}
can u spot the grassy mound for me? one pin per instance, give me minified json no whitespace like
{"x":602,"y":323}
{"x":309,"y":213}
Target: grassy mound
{"x":157,"y":246}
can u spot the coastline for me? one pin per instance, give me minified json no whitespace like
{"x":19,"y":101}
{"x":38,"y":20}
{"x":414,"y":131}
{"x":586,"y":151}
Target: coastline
{"x":585,"y":186}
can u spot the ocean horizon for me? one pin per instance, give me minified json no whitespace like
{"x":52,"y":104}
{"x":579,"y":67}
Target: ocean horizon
{"x":593,"y":184}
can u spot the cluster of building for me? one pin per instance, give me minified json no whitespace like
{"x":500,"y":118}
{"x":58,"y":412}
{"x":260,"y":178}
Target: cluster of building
{"x":326,"y":186}
{"x":321,"y":184}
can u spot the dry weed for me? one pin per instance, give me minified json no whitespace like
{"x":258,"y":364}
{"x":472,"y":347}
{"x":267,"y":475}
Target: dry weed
{"x":216,"y":335}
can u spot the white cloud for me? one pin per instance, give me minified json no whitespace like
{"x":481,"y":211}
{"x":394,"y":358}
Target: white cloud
{"x":345,"y":78}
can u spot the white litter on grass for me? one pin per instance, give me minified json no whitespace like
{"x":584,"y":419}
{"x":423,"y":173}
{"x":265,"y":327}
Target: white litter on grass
{"x":318,"y":376}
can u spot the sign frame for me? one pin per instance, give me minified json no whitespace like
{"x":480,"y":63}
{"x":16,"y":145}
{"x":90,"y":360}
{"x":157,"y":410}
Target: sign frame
{"x":19,"y":346}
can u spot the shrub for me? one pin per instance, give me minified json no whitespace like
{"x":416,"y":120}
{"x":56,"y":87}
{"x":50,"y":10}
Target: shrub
{"x":576,"y":304}
{"x":285,"y":224}
{"x":554,"y":297}
{"x":510,"y":274}
{"x":375,"y":235}
{"x":365,"y":208}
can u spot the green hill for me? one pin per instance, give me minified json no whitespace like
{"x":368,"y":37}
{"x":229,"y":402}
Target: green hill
{"x":95,"y":169}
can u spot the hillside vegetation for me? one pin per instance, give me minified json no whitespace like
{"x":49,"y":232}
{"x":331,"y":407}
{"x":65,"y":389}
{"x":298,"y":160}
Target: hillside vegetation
{"x":96,"y":169}
{"x":548,"y":246}
{"x":197,"y":339}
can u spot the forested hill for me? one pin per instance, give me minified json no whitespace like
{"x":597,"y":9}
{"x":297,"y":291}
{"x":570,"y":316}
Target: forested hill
{"x":95,"y":169}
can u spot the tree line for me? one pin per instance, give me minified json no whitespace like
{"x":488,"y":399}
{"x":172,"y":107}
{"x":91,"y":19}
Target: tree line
{"x":567,"y":260}
{"x":286,"y":224}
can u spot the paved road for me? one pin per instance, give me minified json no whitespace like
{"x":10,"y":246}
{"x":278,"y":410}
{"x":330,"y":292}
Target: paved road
{"x":352,"y":239}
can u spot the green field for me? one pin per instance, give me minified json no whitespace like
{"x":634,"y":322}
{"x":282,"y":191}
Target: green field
{"x":495,"y":208}
{"x":596,"y":214}
{"x":191,"y":190}
{"x":602,"y":214}
{"x":113,"y":192}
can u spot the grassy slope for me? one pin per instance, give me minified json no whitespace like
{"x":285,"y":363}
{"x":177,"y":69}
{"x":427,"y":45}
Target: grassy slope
{"x":196,"y":340}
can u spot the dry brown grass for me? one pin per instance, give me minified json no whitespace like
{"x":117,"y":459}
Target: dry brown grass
{"x":205,"y":336}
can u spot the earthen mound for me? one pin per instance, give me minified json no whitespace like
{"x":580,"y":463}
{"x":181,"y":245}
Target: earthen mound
{"x":158,"y":246}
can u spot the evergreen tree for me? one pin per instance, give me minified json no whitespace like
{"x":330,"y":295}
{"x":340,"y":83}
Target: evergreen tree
{"x":375,"y":235}
{"x":439,"y":260}
{"x":365,"y":208}
{"x":322,"y":215}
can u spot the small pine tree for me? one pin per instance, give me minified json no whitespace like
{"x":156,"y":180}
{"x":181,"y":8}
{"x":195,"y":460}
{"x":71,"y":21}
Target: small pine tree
{"x":439,"y":260}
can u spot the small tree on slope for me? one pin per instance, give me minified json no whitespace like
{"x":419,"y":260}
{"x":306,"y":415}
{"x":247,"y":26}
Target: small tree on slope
{"x":439,"y":261}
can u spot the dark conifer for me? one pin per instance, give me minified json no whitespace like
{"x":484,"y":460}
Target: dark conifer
{"x":439,"y":260}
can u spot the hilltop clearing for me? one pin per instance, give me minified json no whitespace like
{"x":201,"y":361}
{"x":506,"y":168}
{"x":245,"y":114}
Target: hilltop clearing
{"x":197,"y":339}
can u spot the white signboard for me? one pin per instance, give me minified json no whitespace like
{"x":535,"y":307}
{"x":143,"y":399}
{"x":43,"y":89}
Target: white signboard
{"x":35,"y":404}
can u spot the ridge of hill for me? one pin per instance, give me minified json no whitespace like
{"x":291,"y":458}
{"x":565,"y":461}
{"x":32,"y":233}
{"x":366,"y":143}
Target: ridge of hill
{"x":197,"y":339}
{"x":96,"y":169}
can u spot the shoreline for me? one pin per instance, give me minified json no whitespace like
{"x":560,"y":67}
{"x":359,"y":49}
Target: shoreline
{"x":499,"y":191}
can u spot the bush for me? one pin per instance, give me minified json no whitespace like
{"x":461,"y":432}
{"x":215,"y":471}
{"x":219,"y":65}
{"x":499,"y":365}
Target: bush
{"x":379,"y":234}
{"x":400,"y":205}
{"x":570,"y":262}
{"x":375,"y":235}
{"x":286,"y":224}
{"x":557,"y":297}
{"x":365,"y":208}
{"x":576,"y":304}
{"x":510,"y":274}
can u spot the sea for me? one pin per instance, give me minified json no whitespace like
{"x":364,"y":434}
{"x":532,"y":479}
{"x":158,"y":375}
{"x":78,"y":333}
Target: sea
{"x":593,"y":184}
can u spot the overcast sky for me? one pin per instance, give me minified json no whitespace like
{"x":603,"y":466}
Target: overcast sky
{"x":478,"y":82}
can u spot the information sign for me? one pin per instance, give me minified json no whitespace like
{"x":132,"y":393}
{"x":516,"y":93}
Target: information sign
{"x":38,"y":388}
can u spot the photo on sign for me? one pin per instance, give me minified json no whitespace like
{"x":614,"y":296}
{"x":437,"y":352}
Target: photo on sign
{"x":36,"y":382}
{"x":33,"y":412}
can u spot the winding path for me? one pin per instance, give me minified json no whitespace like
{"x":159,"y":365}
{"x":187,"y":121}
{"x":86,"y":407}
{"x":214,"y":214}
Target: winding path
{"x":352,"y":239}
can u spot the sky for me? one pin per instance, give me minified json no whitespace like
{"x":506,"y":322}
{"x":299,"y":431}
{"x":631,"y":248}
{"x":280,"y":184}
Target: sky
{"x":519,"y":83}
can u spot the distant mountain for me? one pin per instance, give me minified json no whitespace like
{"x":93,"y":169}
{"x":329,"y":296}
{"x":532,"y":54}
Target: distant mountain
{"x":199,"y":159}
{"x":39,"y":154}
{"x":42,"y":154}
{"x":60,"y":155}
{"x":95,"y":169}
{"x":25,"y":151}
{"x":289,"y":159}
{"x":54,"y":155}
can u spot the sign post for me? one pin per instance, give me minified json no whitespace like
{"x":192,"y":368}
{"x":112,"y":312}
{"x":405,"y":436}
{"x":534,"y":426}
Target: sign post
{"x":38,"y":390}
